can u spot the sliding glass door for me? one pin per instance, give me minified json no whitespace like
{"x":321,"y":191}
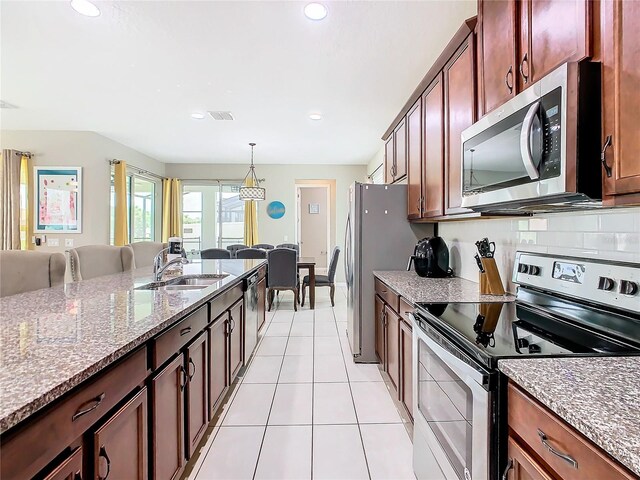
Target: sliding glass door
{"x":143,"y":194}
{"x":212,"y":215}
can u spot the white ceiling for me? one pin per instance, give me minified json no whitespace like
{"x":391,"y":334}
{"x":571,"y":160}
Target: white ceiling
{"x":136,"y":72}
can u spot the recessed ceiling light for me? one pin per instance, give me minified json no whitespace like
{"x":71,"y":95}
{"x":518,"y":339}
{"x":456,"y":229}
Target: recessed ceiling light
{"x":315,"y":116}
{"x":85,"y":7}
{"x":198,"y":115}
{"x":315,"y":11}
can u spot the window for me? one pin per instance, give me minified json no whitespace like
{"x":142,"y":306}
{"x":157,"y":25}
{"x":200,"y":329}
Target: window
{"x":142,"y":197}
{"x":212,"y":215}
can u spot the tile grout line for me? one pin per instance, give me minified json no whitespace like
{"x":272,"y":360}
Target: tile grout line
{"x":313,"y":379}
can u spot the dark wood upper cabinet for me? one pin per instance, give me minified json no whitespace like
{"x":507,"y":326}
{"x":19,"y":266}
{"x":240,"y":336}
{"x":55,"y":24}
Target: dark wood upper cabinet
{"x":197,"y":391}
{"x":433,"y":143}
{"x":218,"y":351}
{"x":393,"y":346}
{"x":121,"y":444}
{"x":621,"y":96}
{"x":400,"y":141}
{"x":380,"y":328}
{"x":414,"y":161}
{"x":235,"y":339}
{"x":167,"y":392}
{"x":389,"y":160}
{"x":497,"y":67}
{"x":460,"y":108}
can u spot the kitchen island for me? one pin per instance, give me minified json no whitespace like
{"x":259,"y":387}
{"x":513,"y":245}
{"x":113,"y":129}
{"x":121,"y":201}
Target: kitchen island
{"x":103,"y":336}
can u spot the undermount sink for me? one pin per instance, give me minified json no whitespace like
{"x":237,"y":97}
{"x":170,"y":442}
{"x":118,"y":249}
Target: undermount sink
{"x":187,"y":282}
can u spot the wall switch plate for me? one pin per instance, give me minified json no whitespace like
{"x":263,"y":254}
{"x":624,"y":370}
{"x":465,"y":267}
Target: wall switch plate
{"x":286,"y":238}
{"x":53,"y":242}
{"x":68,"y":242}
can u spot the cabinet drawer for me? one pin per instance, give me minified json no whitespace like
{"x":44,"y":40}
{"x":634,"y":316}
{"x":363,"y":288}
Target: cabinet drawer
{"x":530,"y":421}
{"x":388,"y":295}
{"x":405,"y":309}
{"x":171,"y":341}
{"x":41,"y":440}
{"x":224,"y":301}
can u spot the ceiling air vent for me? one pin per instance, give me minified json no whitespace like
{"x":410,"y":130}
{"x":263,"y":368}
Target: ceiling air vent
{"x":221,"y":115}
{"x":7,"y":105}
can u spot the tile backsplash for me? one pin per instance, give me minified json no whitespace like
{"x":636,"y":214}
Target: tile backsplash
{"x":612,"y":234}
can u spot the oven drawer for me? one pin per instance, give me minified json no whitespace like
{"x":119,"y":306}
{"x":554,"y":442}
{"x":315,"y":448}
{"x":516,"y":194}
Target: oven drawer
{"x":534,"y":424}
{"x":388,"y":295}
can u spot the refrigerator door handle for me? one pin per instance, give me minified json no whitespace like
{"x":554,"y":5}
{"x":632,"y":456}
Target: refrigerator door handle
{"x":347,"y":244}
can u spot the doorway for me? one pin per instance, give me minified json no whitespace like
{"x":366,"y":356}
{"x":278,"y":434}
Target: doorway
{"x":313,"y":221}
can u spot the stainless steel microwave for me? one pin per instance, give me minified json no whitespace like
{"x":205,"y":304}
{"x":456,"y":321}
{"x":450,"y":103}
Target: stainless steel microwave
{"x":541,"y":149}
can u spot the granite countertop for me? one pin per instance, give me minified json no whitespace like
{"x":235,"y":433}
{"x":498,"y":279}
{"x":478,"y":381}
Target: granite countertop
{"x":436,"y":290}
{"x":598,"y":396}
{"x":51,"y":340}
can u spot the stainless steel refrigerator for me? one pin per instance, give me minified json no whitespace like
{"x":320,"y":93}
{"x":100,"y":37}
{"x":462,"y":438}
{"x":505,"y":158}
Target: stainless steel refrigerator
{"x":377,"y":237}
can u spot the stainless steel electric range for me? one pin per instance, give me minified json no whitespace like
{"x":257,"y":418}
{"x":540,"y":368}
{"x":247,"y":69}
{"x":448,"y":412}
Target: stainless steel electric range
{"x":564,"y":307}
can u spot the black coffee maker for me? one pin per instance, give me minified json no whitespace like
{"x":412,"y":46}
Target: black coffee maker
{"x":431,"y":258}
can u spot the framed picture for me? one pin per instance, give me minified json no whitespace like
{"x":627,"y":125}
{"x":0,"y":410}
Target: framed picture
{"x":314,"y":208}
{"x":58,"y":199}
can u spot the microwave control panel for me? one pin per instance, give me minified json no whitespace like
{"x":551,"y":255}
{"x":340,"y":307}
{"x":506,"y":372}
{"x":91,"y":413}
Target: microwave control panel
{"x":550,"y":130}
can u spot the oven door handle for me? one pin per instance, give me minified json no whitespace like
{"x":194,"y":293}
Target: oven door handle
{"x":525,"y":145}
{"x":447,"y":357}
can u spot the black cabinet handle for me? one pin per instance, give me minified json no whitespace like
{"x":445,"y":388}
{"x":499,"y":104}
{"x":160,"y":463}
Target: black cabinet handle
{"x":96,"y":403}
{"x":183,"y":378}
{"x":564,"y":456}
{"x":103,"y":454}
{"x":526,"y":77}
{"x":603,"y":156}
{"x":194,"y":369}
{"x":505,"y":474}
{"x":232,"y":324}
{"x":185,"y":330}
{"x":506,"y":79}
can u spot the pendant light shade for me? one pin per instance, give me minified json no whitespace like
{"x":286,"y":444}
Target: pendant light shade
{"x":251,"y":189}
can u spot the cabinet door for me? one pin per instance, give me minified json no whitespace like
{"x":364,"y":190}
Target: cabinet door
{"x":167,"y":392}
{"x":433,"y":167}
{"x":120,"y":445}
{"x":262,"y":296}
{"x":414,"y":161}
{"x":393,"y":346}
{"x":497,"y":52}
{"x":523,"y":466}
{"x":69,"y":469}
{"x":460,"y":106}
{"x":552,"y":32}
{"x":406,"y":366}
{"x":235,"y":339}
{"x":389,"y":160}
{"x":380,"y":328}
{"x":197,"y":388}
{"x":400,"y":140}
{"x":218,"y":352}
{"x":621,"y":95}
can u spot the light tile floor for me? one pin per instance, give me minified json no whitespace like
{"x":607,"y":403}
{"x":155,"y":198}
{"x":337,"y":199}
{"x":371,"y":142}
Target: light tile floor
{"x":304,"y":410}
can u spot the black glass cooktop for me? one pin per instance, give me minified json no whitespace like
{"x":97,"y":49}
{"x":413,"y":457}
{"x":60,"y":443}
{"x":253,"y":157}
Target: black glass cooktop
{"x":490,"y":331}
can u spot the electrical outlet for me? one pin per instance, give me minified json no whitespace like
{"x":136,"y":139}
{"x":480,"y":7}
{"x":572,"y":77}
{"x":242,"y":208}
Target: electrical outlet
{"x":53,"y":242}
{"x":68,"y":242}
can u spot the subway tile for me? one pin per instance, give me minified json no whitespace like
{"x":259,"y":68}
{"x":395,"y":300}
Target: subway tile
{"x":599,"y":241}
{"x":627,"y":242}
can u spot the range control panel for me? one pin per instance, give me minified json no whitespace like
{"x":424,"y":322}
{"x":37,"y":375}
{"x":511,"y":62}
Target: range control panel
{"x":615,"y":284}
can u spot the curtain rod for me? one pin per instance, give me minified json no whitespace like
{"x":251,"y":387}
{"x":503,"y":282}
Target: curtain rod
{"x":218,"y":180}
{"x":140,"y":170}
{"x":26,"y":154}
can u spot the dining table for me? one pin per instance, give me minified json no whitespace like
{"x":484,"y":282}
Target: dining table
{"x":309,"y":263}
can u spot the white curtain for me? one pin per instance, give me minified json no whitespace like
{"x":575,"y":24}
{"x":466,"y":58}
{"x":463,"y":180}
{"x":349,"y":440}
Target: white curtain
{"x":10,"y":198}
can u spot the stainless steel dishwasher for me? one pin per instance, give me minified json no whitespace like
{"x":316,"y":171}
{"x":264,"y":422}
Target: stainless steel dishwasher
{"x":251,"y":320}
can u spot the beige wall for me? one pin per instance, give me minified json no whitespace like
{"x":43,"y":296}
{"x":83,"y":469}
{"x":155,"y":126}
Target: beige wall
{"x":90,"y":151}
{"x":314,"y":231}
{"x":280,"y":182}
{"x":376,"y":161}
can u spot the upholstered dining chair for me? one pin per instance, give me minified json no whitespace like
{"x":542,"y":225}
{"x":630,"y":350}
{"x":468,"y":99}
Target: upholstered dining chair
{"x":327,"y":280}
{"x":263,"y":246}
{"x":282,"y":268}
{"x":235,"y":247}
{"x":293,"y":246}
{"x":24,"y":271}
{"x":145,"y":252}
{"x":251,"y":253}
{"x":215,"y":254}
{"x":93,"y":261}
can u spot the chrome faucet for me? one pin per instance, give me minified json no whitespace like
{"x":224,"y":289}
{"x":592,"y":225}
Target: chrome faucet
{"x":159,"y":268}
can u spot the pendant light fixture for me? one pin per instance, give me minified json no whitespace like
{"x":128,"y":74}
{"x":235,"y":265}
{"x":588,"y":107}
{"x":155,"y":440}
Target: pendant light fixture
{"x":250,"y":189}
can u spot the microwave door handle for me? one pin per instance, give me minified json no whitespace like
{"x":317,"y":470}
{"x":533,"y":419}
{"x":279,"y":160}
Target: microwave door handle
{"x":525,"y":145}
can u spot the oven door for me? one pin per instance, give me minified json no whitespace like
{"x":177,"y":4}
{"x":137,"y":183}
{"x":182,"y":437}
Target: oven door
{"x":451,"y":409}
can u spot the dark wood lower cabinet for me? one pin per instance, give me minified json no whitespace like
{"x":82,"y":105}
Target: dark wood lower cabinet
{"x":69,"y":469}
{"x":262,"y":305}
{"x":380,"y":328}
{"x":523,"y":466}
{"x":218,"y":350}
{"x":393,"y":345}
{"x":406,"y":366}
{"x":197,"y":358}
{"x":120,"y":446}
{"x":167,"y":392}
{"x":235,"y":339}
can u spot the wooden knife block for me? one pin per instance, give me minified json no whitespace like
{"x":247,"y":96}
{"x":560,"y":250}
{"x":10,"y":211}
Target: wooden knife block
{"x":490,"y":281}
